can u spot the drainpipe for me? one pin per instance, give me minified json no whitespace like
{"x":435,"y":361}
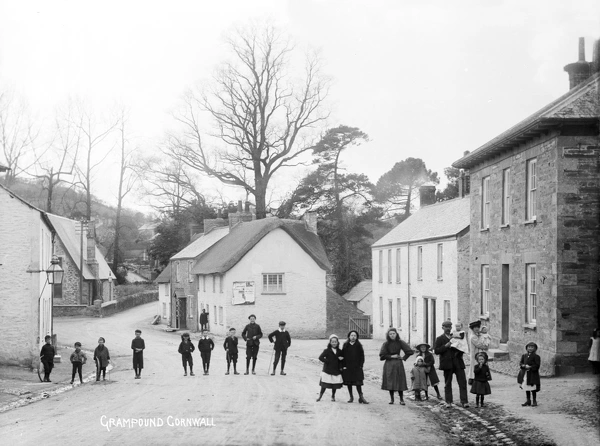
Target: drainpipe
{"x":408,"y":292}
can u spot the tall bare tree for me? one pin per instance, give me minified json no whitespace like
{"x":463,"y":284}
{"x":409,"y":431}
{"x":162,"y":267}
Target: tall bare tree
{"x":262,"y":115}
{"x":127,"y":179}
{"x":17,"y":133}
{"x":94,"y":132}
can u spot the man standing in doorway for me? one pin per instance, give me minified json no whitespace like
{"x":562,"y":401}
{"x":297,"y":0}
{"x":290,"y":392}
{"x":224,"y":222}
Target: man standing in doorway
{"x":451,"y":362}
{"x":252,"y":334}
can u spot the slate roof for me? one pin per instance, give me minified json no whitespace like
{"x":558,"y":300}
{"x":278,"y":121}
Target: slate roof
{"x":43,"y":215}
{"x":201,"y":244}
{"x":443,"y":219}
{"x":65,"y":229}
{"x":360,"y":291}
{"x":228,"y":251}
{"x":580,"y":104}
{"x":164,"y":276}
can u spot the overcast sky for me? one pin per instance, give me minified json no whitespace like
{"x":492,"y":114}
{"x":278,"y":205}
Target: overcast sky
{"x":426,"y":79}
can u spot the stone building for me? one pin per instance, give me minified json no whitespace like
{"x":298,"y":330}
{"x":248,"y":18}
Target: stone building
{"x":26,"y":248}
{"x":85,"y":268}
{"x":421,"y":271}
{"x":535,"y":226}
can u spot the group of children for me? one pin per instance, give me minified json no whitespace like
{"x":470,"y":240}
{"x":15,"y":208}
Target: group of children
{"x":101,"y":358}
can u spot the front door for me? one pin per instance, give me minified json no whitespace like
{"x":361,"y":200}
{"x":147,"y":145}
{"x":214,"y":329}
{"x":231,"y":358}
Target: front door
{"x":505,"y":304}
{"x":181,"y":313}
{"x":426,"y":320}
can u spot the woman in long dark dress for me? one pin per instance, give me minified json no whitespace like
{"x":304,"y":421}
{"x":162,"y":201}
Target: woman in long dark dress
{"x":352,"y":367}
{"x":394,"y":377}
{"x":331,"y":376}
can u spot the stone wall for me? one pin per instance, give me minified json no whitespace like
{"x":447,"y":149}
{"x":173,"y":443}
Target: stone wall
{"x":463,"y":281}
{"x":339,"y":310}
{"x":109,"y":308}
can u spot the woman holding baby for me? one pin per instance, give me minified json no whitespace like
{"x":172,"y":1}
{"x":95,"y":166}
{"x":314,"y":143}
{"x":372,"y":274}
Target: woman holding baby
{"x":478,"y":342}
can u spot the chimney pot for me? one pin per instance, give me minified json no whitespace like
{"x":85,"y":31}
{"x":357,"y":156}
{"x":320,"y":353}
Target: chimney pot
{"x":466,"y":152}
{"x":581,"y":49}
{"x":239,"y":207}
{"x":427,"y":195}
{"x":247,"y":206}
{"x":578,"y":71}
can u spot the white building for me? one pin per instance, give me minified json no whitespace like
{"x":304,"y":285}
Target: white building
{"x":421,"y":272}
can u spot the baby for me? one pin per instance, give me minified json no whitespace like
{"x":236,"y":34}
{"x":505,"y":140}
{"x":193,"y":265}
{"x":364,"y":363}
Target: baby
{"x":484,"y":334}
{"x":459,"y":340}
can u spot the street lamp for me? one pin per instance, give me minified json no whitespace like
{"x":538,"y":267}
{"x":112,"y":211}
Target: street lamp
{"x":110,"y":279}
{"x":55,"y":277}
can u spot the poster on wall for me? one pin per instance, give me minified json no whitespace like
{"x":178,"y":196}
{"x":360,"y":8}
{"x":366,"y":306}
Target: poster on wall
{"x":243,"y":293}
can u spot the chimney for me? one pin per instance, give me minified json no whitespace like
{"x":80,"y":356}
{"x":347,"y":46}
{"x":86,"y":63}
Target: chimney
{"x":427,"y":195}
{"x":194,"y":229}
{"x":91,"y":248}
{"x":310,"y":221}
{"x":578,"y":71}
{"x":240,"y":215}
{"x":464,"y":184}
{"x":211,"y":223}
{"x":596,"y":57}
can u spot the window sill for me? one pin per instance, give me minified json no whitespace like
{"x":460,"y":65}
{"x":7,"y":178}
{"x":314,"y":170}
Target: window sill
{"x":530,"y":326}
{"x":484,"y":230}
{"x":273,"y":293}
{"x":530,"y":222}
{"x":505,"y":226}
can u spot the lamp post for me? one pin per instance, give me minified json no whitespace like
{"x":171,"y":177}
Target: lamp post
{"x":110,"y":279}
{"x":55,"y":277}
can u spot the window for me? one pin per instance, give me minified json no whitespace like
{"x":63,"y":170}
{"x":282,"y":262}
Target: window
{"x":214,"y":278}
{"x":414,"y":313}
{"x":506,"y":197}
{"x":447,"y":311}
{"x":381,"y":311}
{"x":221,"y":283}
{"x":204,"y":284}
{"x":399,"y":311}
{"x":485,"y":289}
{"x":389,"y":265}
{"x":215,"y":313}
{"x":190,"y":263}
{"x":440,"y":261}
{"x":420,"y":263}
{"x":381,"y":267}
{"x":272,"y":283}
{"x":220,"y":315}
{"x":176,"y":271}
{"x":485,"y":203}
{"x":531,"y":189}
{"x":57,"y":288}
{"x":398,"y":265}
{"x":391,"y":312}
{"x":531,"y":313}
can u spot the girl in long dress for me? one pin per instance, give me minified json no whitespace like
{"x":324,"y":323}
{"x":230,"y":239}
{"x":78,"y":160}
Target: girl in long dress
{"x":352,"y":368}
{"x":394,"y":377}
{"x":331,"y":376}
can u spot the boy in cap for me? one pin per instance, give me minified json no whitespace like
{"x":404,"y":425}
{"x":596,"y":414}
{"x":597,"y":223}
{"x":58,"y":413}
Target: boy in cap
{"x":282,"y":342}
{"x":231,"y":348}
{"x":138,"y":345}
{"x":205,"y":347}
{"x":47,"y":354}
{"x":252,"y":334}
{"x":78,"y":358}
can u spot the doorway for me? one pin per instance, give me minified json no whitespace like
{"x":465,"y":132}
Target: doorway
{"x":181,"y":313}
{"x":505,"y":304}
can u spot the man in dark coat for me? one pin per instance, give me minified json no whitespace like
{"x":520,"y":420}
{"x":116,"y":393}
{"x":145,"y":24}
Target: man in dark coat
{"x":203,"y":320}
{"x":47,"y":354}
{"x":451,"y":362}
{"x":282,"y":342}
{"x":251,"y":334}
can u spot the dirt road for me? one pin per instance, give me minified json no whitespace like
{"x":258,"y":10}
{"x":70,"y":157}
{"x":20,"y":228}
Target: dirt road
{"x":164,"y":407}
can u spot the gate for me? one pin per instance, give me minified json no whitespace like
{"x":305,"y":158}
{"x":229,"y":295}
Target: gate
{"x":362,"y":324}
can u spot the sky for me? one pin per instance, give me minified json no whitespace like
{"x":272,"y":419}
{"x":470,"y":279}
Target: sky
{"x":427,"y":79}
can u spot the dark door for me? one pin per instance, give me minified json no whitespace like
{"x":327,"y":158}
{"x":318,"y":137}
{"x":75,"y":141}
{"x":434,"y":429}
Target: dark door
{"x":505,"y":304}
{"x":426,"y":320}
{"x":181,"y":313}
{"x":433,"y":323}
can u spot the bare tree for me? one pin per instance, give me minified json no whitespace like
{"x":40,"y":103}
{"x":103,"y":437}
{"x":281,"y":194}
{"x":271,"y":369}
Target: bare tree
{"x":58,"y":159}
{"x":92,"y":137}
{"x":17,"y":134}
{"x":261,"y":114}
{"x":127,"y":178}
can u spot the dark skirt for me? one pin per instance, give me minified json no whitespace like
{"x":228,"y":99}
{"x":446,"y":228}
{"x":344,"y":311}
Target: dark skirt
{"x":481,"y":388}
{"x":394,"y":377}
{"x":138,"y":360}
{"x":353,"y":377}
{"x":433,"y":378}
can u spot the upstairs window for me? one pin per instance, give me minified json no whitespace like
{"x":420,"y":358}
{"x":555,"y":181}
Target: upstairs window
{"x":531,"y":190}
{"x":389,"y":266}
{"x":419,"y":263}
{"x":398,"y":265}
{"x":531,"y":298}
{"x":272,"y":283}
{"x":485,"y":289}
{"x":380,"y":266}
{"x":440,"y":261}
{"x":485,"y":203}
{"x":506,"y":197}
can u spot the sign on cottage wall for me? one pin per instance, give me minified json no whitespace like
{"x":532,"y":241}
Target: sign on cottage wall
{"x":243,"y":293}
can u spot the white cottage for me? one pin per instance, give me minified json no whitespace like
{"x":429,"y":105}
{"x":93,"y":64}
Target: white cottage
{"x":421,"y":272}
{"x":26,"y":248}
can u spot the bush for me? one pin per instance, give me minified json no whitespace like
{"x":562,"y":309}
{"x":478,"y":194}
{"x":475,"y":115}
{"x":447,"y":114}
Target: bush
{"x":123,"y":291}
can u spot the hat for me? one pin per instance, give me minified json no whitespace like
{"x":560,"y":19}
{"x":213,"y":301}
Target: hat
{"x":532,"y":343}
{"x":446,"y":323}
{"x":472,"y":325}
{"x":281,"y":323}
{"x":252,"y":315}
{"x":103,"y":340}
{"x":484,"y":354}
{"x":422,"y":343}
{"x":138,"y":331}
{"x":419,"y":357}
{"x":334,"y":336}
{"x":353,"y":331}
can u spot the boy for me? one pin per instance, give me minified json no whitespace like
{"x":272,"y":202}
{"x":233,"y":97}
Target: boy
{"x":282,"y":342}
{"x":458,"y":341}
{"x":78,"y":358}
{"x":47,"y":357}
{"x":252,"y":334}
{"x":186,"y":348}
{"x":138,"y":345}
{"x":205,"y":346}
{"x":231,"y":347}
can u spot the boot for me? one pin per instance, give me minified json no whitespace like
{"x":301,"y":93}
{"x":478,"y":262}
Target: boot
{"x":282,"y":372}
{"x":362,"y":400}
{"x":527,"y":403}
{"x":351,"y":400}
{"x":534,"y":404}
